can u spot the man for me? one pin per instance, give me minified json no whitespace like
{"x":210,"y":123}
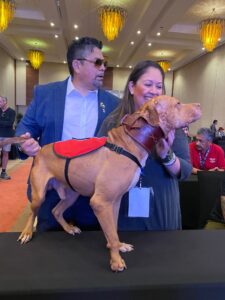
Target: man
{"x":220,"y":133}
{"x":213,"y":128}
{"x":7,"y":119}
{"x":74,"y":108}
{"x":204,"y":154}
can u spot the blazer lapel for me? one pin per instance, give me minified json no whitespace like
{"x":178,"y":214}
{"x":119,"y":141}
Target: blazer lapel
{"x":101,"y":109}
{"x":59,"y":107}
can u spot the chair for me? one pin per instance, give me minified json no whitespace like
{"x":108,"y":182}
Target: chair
{"x":221,"y":143}
{"x":210,"y":184}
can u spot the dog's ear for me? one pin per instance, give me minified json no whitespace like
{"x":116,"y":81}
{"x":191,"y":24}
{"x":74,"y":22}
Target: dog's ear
{"x":132,"y":120}
{"x":149,"y":113}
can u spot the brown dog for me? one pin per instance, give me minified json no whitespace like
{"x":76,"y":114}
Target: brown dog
{"x":99,"y":174}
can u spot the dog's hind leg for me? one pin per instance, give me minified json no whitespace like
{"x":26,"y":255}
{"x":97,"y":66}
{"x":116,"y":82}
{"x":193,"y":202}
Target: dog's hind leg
{"x":68,"y":198}
{"x":38,"y":187}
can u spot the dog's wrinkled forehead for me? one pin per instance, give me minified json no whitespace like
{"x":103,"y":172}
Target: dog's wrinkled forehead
{"x":164,"y":102}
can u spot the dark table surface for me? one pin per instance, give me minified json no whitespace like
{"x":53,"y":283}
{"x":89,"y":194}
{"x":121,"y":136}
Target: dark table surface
{"x":190,"y":202}
{"x":165,"y":265}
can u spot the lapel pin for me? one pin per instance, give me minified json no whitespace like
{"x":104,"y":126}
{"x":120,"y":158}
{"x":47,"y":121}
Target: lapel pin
{"x":102,"y":105}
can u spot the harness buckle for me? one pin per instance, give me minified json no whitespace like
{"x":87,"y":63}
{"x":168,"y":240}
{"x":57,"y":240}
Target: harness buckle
{"x":117,"y":149}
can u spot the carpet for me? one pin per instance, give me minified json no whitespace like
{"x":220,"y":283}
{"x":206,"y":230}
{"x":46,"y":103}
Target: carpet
{"x":13,"y":195}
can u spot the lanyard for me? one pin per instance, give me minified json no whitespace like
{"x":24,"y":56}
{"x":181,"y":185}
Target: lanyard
{"x":203,"y":159}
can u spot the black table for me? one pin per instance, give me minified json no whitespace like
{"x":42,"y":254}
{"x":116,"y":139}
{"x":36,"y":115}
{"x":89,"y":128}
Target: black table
{"x":198,"y":196}
{"x":165,"y":265}
{"x":190,"y":202}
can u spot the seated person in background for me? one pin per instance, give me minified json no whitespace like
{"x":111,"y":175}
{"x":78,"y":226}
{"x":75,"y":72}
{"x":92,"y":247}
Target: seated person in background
{"x":204,"y":154}
{"x":187,"y":133}
{"x":217,"y":216}
{"x":220,"y":133}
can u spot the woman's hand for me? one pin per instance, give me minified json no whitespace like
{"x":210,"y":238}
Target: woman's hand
{"x":164,"y":145}
{"x":30,"y":147}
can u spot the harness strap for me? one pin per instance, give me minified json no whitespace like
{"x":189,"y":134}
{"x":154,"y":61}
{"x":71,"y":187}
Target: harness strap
{"x":66,"y":173}
{"x":120,"y":150}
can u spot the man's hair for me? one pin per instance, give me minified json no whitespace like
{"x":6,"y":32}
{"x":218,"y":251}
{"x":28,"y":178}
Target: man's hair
{"x":207,"y":133}
{"x":81,"y":48}
{"x":215,"y":121}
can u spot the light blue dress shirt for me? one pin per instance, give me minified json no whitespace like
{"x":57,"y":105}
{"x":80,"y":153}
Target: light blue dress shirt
{"x":80,"y":114}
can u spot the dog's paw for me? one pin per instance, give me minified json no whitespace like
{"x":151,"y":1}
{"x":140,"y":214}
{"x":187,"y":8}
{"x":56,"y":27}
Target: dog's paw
{"x":24,"y":238}
{"x":118,"y":266}
{"x":126,"y":247}
{"x":73,"y":230}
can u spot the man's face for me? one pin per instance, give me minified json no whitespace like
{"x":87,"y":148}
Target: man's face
{"x":202,"y":144}
{"x":90,"y":74}
{"x":2,"y":102}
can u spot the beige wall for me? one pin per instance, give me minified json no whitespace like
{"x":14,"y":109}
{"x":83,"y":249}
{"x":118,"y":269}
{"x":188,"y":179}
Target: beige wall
{"x":20,"y":83}
{"x":204,"y":81}
{"x":50,"y":72}
{"x":7,"y":77}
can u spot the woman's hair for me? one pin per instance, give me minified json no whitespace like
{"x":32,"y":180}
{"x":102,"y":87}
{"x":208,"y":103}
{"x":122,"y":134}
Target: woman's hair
{"x":127,"y":106}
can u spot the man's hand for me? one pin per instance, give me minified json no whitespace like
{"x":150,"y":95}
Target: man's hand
{"x":30,"y":146}
{"x":195,"y":170}
{"x":217,"y":169}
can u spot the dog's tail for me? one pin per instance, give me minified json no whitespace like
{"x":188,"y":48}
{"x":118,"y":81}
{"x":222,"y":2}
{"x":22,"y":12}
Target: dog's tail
{"x":12,"y":140}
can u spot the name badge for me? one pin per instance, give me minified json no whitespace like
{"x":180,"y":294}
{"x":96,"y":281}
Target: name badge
{"x":139,"y":202}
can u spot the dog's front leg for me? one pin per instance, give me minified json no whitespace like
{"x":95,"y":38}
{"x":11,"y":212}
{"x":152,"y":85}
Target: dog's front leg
{"x":103,"y":209}
{"x":124,"y":247}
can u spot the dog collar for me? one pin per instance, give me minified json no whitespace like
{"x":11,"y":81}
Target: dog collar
{"x":146,"y":135}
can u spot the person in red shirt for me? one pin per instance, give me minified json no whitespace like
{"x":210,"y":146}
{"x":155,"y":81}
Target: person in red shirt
{"x":204,"y":154}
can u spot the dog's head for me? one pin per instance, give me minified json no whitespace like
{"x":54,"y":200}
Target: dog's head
{"x":171,"y":114}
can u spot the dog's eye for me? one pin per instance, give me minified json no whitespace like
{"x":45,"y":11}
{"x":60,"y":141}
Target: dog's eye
{"x":178,"y":103}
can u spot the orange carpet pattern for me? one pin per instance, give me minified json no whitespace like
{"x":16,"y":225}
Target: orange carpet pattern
{"x":13,"y":195}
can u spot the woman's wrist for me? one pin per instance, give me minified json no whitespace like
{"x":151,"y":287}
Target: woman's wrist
{"x":169,"y":159}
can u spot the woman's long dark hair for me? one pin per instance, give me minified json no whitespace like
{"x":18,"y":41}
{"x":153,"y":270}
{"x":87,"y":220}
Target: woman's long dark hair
{"x":126,"y":105}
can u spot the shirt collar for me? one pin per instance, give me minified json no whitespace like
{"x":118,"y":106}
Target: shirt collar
{"x":71,"y":88}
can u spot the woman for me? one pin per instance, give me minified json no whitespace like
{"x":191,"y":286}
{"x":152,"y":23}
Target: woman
{"x":145,"y":82}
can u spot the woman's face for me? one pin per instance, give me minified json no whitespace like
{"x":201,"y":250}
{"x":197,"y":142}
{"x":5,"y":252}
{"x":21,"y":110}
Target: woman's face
{"x":149,"y":85}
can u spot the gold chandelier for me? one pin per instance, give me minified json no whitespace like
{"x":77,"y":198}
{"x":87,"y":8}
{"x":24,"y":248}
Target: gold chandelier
{"x":112,"y":19}
{"x":164,"y":64}
{"x":7,"y":8}
{"x":211,"y":31}
{"x":36,"y":58}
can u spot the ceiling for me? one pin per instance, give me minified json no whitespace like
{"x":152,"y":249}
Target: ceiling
{"x":176,"y":20}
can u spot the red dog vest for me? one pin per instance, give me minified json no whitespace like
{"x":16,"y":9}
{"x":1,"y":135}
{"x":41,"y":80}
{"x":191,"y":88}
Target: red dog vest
{"x":73,"y":148}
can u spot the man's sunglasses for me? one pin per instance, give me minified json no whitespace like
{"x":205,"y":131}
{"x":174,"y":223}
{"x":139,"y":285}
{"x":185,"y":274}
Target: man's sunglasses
{"x":98,"y":62}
